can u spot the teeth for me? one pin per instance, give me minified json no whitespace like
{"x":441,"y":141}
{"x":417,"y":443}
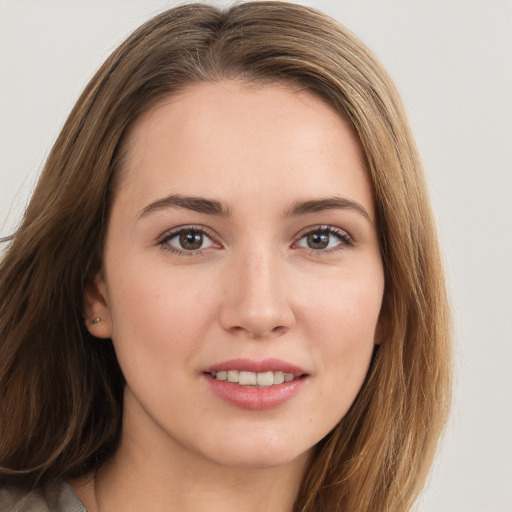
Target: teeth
{"x":232,"y":376}
{"x":247,"y":379}
{"x":279,"y":377}
{"x":263,"y":379}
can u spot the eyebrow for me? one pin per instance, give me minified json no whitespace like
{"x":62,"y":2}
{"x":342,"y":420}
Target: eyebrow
{"x":196,"y":204}
{"x":329,"y":203}
{"x":214,"y":207}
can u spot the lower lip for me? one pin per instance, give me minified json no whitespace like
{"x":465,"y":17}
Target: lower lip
{"x":255,"y":398}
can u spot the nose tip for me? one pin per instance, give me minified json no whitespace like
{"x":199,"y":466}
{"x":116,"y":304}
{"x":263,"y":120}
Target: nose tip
{"x":257,"y":301}
{"x":258,"y":325}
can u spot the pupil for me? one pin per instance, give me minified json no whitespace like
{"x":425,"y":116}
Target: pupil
{"x":191,"y":240}
{"x":318,"y":240}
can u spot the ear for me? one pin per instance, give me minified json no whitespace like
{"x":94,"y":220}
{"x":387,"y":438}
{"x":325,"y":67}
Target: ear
{"x":98,"y":319}
{"x":382,"y":329}
{"x":379,"y":332}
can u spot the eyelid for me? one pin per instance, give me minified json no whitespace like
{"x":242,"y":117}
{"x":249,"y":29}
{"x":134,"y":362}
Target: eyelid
{"x":346,"y":240}
{"x":173,"y":232}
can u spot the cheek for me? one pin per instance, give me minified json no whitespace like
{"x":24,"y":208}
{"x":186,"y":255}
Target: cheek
{"x":159,"y":318}
{"x":343,"y":322}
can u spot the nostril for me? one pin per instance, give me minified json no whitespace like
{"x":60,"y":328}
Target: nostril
{"x":272,"y":332}
{"x":279,"y":330}
{"x":256,"y":319}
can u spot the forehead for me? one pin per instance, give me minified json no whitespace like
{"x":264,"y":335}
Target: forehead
{"x":230,"y":137}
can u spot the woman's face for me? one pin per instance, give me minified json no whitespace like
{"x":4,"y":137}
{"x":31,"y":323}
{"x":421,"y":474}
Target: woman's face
{"x":242,"y":246}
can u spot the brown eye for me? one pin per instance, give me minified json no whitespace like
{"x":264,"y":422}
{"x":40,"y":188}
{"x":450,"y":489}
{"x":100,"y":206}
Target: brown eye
{"x":191,"y":240}
{"x":187,"y":240}
{"x":318,"y":240}
{"x":325,"y":239}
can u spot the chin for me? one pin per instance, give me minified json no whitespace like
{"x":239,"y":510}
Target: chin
{"x":262,"y":453}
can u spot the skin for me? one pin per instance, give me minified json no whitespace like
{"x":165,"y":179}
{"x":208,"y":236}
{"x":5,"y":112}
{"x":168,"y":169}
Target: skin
{"x":255,"y":289}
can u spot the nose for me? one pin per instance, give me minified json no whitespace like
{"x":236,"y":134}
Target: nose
{"x":257,"y":299}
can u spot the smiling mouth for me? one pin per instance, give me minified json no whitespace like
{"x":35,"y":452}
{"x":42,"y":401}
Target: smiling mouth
{"x":261,"y":379}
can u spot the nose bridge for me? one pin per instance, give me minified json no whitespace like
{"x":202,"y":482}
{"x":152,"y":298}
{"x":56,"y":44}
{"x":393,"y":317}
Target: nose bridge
{"x":259,"y":284}
{"x":257,"y":303}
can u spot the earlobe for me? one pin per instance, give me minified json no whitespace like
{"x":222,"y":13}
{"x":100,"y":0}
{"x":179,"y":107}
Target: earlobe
{"x":378,"y":333}
{"x":382,"y":329}
{"x":96,"y":308}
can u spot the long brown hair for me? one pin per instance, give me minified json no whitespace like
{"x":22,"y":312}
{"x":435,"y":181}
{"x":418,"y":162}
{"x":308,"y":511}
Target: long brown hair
{"x":61,"y":390}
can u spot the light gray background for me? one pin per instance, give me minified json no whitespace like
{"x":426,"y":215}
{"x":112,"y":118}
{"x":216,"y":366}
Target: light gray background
{"x":452,"y":62}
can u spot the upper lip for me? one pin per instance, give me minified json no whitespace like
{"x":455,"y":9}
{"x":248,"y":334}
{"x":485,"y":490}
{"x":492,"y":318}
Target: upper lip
{"x":257,"y":366}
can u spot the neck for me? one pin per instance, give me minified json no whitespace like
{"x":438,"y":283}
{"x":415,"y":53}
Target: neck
{"x":195,"y":487}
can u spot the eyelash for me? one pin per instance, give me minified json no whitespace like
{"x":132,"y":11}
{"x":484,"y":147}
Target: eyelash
{"x":164,"y":240}
{"x":345,"y":240}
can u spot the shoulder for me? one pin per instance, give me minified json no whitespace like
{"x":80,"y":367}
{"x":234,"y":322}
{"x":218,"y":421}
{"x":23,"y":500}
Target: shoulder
{"x":56,"y":495}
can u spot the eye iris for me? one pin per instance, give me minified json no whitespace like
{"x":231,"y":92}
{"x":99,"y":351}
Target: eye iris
{"x":191,"y":240}
{"x":318,"y":240}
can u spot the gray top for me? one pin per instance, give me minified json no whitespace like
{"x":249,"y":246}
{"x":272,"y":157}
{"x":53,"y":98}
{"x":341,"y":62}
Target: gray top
{"x":55,"y":496}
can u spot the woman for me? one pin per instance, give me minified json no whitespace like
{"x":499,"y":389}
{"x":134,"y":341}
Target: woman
{"x":226,"y":290}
